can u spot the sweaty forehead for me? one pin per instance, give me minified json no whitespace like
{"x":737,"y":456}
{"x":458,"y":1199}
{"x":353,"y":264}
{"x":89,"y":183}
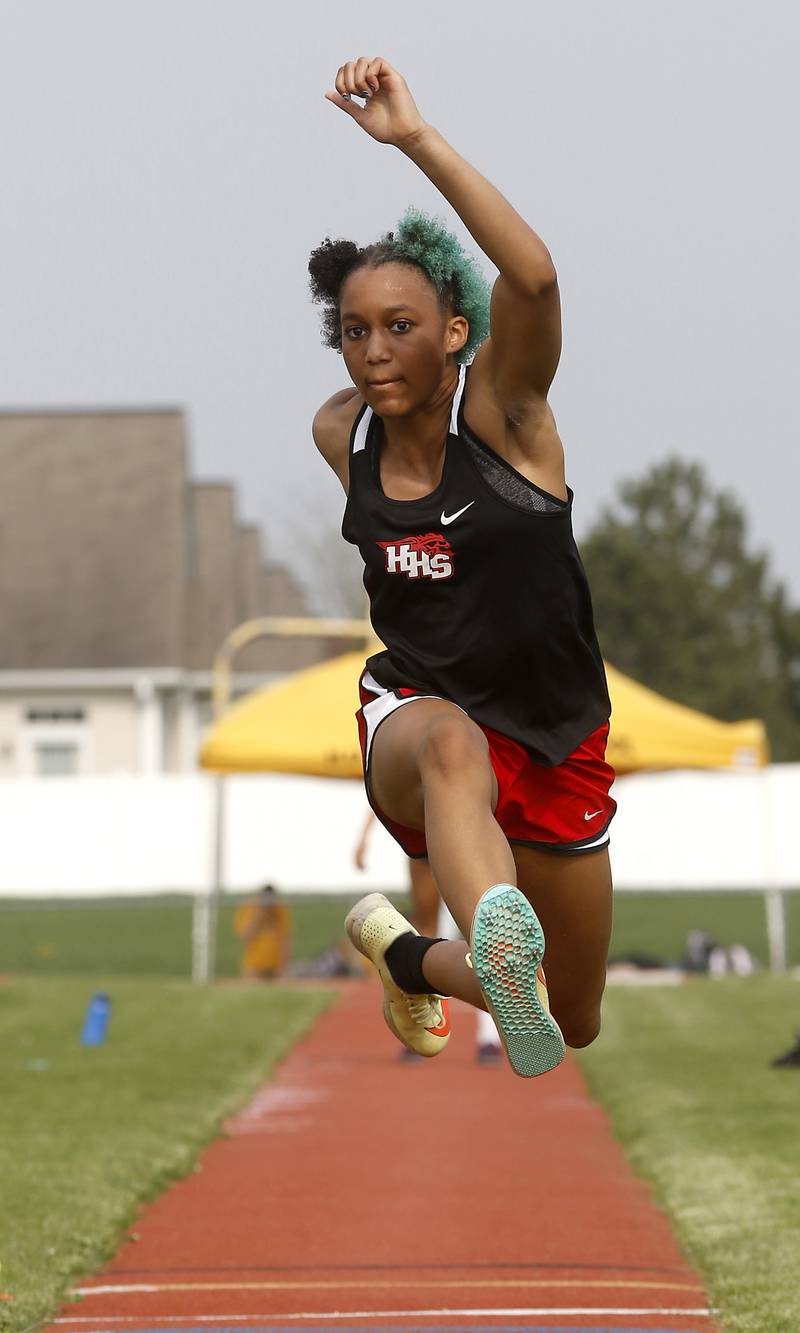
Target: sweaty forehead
{"x":385,"y":288}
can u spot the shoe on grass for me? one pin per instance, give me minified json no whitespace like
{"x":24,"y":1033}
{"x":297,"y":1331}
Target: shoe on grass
{"x":507,"y":947}
{"x":420,"y":1022}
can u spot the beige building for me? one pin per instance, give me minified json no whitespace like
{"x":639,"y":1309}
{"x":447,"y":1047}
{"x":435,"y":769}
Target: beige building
{"x":119,"y":579}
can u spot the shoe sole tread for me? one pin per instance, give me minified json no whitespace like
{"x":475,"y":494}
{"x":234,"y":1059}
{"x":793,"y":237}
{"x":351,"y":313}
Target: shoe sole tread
{"x":507,"y":951}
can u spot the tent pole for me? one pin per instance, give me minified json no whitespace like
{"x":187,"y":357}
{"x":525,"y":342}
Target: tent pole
{"x":200,"y":937}
{"x":773,"y":894}
{"x":205,"y":909}
{"x":206,"y":905}
{"x":776,"y":928}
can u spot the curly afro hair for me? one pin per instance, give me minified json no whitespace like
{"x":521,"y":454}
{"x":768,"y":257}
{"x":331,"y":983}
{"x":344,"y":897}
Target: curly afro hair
{"x":421,"y":241}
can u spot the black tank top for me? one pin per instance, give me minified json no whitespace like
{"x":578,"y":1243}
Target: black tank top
{"x":479,"y":597}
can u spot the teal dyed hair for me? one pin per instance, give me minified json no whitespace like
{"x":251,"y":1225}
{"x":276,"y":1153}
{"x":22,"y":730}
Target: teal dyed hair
{"x":425,"y":243}
{"x":457,"y":276}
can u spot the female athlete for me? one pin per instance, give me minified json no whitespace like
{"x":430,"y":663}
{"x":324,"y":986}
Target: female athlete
{"x":484,"y":721}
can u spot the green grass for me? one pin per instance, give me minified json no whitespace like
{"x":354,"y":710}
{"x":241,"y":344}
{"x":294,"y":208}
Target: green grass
{"x":147,"y":936}
{"x":86,"y":1135}
{"x":151,"y":936}
{"x":684,"y":1074}
{"x":658,"y":923}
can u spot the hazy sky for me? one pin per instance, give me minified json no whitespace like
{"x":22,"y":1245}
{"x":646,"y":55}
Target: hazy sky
{"x":167,"y":165}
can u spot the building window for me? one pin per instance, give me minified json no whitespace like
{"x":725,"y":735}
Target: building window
{"x":55,"y":759}
{"x":55,"y":714}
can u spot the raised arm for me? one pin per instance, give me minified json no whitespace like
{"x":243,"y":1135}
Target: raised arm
{"x":521,"y":355}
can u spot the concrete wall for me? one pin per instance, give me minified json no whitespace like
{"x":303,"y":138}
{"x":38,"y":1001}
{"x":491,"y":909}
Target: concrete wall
{"x":110,"y":558}
{"x":212,"y":580}
{"x":91,"y":556}
{"x":247,"y":561}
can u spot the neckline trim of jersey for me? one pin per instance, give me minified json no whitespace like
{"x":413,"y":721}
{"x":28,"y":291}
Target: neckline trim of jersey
{"x":365,"y":418}
{"x":365,"y":429}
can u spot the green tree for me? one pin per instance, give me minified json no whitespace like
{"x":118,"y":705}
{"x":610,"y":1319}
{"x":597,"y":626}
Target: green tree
{"x":682,"y":606}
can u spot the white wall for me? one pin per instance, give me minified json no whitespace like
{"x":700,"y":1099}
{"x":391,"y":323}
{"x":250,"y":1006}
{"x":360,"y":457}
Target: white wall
{"x":126,"y":834}
{"x":97,"y":835}
{"x":721,"y":830}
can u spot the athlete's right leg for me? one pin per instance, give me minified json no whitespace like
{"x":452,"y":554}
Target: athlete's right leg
{"x":430,"y":770}
{"x":488,"y":1047}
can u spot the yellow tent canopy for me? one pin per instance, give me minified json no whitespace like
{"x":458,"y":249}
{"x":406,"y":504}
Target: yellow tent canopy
{"x":305,"y":725}
{"x":649,"y":731}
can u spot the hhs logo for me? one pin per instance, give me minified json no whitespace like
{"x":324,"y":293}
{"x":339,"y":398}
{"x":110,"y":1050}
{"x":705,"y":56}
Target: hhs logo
{"x":425,"y":557}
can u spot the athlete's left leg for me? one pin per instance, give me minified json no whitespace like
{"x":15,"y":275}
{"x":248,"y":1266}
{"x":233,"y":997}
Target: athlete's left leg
{"x":572,"y":898}
{"x":424,"y":896}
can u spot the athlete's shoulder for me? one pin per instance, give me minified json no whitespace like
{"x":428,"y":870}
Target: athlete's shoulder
{"x":331,"y":429}
{"x":338,"y":413}
{"x":333,"y":422}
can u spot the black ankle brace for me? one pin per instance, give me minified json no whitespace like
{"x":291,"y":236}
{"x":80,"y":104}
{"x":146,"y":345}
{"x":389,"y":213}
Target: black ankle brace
{"x":404,"y":961}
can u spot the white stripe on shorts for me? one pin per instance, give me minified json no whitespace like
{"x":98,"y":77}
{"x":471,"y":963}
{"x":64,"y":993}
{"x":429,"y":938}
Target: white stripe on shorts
{"x":602,"y":841}
{"x":382,"y":706}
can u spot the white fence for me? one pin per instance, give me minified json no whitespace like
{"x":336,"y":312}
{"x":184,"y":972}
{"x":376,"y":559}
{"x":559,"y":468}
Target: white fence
{"x":93,"y":836}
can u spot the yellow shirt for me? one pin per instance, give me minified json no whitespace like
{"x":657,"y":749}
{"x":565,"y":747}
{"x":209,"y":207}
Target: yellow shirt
{"x":265,"y":930}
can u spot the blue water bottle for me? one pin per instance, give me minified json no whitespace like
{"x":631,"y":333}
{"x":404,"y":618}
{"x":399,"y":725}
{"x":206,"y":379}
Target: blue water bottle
{"x":95,"y":1024}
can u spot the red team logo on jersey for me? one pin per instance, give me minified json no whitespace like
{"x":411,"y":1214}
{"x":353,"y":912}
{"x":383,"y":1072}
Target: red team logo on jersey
{"x":428,"y":556}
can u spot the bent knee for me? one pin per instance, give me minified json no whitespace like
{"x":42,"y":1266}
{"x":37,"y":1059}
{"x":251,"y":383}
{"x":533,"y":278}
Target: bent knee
{"x":579,"y":1030}
{"x":453,"y":747}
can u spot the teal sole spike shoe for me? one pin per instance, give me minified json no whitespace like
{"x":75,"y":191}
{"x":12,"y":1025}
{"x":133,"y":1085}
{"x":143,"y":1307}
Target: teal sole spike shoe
{"x":507,"y":945}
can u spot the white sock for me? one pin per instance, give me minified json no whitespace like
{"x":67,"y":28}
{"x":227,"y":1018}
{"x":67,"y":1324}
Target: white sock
{"x":485,"y":1030}
{"x":445,"y":925}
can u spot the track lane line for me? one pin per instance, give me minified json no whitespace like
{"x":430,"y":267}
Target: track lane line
{"x":490,"y":1284}
{"x":700,"y":1312}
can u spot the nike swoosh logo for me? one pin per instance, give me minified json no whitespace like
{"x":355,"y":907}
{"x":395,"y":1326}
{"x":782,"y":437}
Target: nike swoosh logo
{"x":593,"y":814}
{"x":443,"y":1029}
{"x":451,"y":518}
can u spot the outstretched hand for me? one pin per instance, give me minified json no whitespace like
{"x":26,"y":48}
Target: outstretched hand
{"x":389,"y":113}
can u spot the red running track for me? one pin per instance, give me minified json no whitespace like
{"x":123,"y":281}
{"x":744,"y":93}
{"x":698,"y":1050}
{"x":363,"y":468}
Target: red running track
{"x":357,"y":1193}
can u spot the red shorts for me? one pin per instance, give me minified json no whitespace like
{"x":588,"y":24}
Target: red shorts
{"x":564,"y":809}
